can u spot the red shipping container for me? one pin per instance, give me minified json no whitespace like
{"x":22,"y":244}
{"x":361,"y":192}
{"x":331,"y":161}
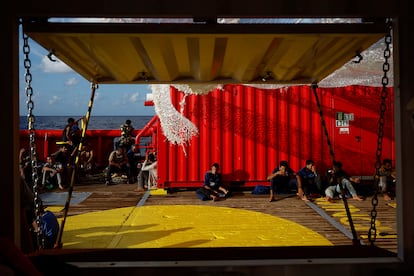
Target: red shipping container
{"x":248,"y":131}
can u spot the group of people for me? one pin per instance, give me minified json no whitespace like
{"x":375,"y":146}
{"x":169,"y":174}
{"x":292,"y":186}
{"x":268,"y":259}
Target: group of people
{"x":127,"y":159}
{"x":308,"y":183}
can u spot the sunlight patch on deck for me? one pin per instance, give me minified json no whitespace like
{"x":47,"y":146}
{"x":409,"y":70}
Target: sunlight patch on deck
{"x":183,"y":226}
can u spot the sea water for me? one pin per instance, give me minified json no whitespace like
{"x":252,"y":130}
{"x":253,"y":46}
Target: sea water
{"x":95,"y":122}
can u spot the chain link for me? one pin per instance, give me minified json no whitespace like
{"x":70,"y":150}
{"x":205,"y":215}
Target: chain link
{"x":32,"y":139}
{"x":372,"y":234}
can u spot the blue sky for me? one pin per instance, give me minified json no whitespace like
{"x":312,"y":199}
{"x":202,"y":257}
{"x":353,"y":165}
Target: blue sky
{"x":59,"y":91}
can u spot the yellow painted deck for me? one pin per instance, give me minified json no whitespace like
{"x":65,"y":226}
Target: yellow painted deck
{"x":118,"y":217}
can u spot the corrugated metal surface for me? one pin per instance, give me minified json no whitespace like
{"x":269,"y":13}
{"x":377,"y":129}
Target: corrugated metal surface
{"x":193,"y":53}
{"x":249,"y":130}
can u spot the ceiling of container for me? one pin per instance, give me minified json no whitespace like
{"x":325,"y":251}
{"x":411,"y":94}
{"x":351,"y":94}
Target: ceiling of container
{"x":117,"y":53}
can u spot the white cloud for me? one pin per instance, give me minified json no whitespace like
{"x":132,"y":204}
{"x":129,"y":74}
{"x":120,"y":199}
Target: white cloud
{"x":57,"y":66}
{"x":72,"y":82}
{"x":55,"y":99}
{"x":134,"y":98}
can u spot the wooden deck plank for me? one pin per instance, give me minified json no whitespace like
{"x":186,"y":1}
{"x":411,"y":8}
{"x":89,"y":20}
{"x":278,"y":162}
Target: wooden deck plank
{"x":286,"y":206}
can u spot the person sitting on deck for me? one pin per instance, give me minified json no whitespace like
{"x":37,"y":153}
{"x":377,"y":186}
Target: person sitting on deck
{"x":281,"y":180}
{"x":148,"y":176}
{"x":310,"y":180}
{"x":340,"y":183}
{"x":25,"y":165}
{"x":64,"y":163}
{"x":51,"y":176}
{"x":387,"y":179}
{"x":50,"y":228}
{"x":118,"y":163}
{"x":86,"y":160}
{"x":213,"y":188}
{"x":135,"y":162}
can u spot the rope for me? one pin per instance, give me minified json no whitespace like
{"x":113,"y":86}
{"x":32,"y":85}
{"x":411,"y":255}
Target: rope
{"x":355,"y":239}
{"x":70,"y":190}
{"x":325,"y":130}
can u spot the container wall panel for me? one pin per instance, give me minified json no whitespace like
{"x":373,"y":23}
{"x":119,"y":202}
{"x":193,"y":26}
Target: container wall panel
{"x":250,"y":130}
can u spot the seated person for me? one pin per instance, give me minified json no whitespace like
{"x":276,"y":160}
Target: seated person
{"x":212,"y":188}
{"x":50,"y":228}
{"x":86,"y":160}
{"x":147,"y":177}
{"x":281,"y":180}
{"x":150,"y":165}
{"x":64,"y":163}
{"x":310,"y":180}
{"x":340,"y":183}
{"x":387,"y":179}
{"x":135,"y":162}
{"x":25,"y":165}
{"x":118,"y":163}
{"x":51,"y":176}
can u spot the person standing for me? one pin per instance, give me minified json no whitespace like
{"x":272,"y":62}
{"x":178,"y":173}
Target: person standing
{"x":72,"y":135}
{"x":126,"y":140}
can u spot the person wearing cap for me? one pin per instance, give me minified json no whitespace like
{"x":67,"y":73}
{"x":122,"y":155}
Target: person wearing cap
{"x":281,"y":179}
{"x":126,"y":140}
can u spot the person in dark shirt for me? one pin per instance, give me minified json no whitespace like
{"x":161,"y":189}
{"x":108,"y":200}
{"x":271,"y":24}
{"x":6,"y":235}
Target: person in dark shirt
{"x":126,"y":140}
{"x":212,"y":188}
{"x":310,"y":180}
{"x":135,"y":162}
{"x":64,"y":164}
{"x":50,"y":228}
{"x":281,"y":180}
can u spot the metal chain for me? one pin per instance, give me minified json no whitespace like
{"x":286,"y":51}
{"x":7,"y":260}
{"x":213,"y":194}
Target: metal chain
{"x":32,"y":142}
{"x":372,"y":234}
{"x":355,"y":239}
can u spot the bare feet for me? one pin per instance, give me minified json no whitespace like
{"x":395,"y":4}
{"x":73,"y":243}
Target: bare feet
{"x":303,"y":197}
{"x":271,"y":199}
{"x":387,"y":197}
{"x":61,"y":187}
{"x":357,"y":198}
{"x":329,"y":199}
